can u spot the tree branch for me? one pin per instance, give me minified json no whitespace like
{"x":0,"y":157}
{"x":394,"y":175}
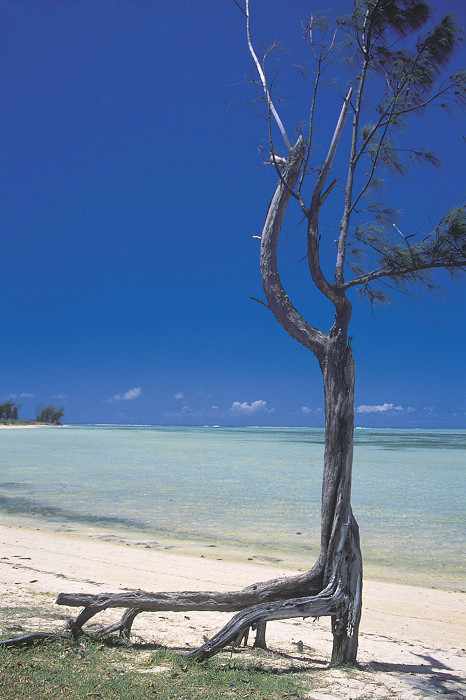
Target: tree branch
{"x":401,"y":272}
{"x":317,"y":200}
{"x":341,"y":254}
{"x":264,"y":82}
{"x":285,"y":313}
{"x":333,"y":146}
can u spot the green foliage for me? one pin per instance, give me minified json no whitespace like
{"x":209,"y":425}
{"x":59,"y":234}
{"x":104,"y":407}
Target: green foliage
{"x":410,"y":72}
{"x":9,"y":410}
{"x":413,"y":260}
{"x":386,"y":155}
{"x":400,"y":16}
{"x":49,"y":414}
{"x":413,"y":74}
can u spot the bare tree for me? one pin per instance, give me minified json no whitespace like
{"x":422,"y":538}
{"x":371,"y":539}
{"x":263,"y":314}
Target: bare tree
{"x":410,"y":72}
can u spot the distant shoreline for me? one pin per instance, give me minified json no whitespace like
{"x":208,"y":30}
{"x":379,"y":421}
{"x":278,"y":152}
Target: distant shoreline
{"x":320,"y":428}
{"x":21,"y":425}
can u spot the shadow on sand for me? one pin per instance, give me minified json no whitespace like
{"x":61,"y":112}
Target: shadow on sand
{"x":432,"y":675}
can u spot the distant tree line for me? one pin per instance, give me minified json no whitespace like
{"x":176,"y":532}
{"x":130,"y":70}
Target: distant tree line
{"x":9,"y":410}
{"x":49,"y":414}
{"x":44,"y":414}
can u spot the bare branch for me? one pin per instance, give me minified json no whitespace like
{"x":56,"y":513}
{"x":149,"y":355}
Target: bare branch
{"x":261,"y":302}
{"x":329,"y":189}
{"x":238,"y":5}
{"x":278,"y":300}
{"x":333,"y":145}
{"x":264,"y":82}
{"x":339,"y":267}
{"x":405,"y":238}
{"x":279,"y":164}
{"x":317,"y":200}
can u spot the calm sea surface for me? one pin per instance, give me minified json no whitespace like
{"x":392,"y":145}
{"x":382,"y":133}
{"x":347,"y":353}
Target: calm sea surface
{"x":244,"y":493}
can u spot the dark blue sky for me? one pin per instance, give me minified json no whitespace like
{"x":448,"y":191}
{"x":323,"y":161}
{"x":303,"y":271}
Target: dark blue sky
{"x":132,"y":187}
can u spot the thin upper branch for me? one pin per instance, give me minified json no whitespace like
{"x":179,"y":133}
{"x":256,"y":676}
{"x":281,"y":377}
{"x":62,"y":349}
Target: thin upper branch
{"x":264,"y":82}
{"x":344,"y":227}
{"x":333,"y":145}
{"x":317,"y":200}
{"x":323,"y":59}
{"x":370,"y":177}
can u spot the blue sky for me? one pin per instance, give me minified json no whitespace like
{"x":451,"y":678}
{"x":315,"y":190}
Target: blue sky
{"x":132,"y":186}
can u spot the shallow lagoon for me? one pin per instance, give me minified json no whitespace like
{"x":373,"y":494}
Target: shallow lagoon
{"x":245,"y":493}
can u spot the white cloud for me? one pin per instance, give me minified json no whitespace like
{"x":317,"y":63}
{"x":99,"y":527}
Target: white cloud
{"x":179,"y":395}
{"x":383,"y":408}
{"x":305,"y":409}
{"x":128,"y":395}
{"x":24,"y":395}
{"x":246,"y":407}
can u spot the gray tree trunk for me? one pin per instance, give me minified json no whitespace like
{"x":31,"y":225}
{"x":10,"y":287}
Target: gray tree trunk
{"x":339,"y":530}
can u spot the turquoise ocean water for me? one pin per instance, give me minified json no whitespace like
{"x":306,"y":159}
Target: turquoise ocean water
{"x":244,"y":493}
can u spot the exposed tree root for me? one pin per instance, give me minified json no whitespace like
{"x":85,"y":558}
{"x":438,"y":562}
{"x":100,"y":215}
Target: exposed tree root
{"x":276,"y":589}
{"x":123,"y":626}
{"x":259,"y":642}
{"x":315,"y":606}
{"x":278,"y":599}
{"x":27,"y":640}
{"x":136,"y":602}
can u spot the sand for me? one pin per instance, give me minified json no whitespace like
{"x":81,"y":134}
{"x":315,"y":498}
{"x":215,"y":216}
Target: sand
{"x":29,"y":426}
{"x":412,"y":639}
{"x":19,"y":427}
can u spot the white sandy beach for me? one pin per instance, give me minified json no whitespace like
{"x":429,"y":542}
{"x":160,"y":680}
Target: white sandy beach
{"x":29,"y":426}
{"x":19,"y":427}
{"x":412,"y":640}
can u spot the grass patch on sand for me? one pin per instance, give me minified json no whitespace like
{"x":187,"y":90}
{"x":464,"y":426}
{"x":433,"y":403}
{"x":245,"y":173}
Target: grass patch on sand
{"x":91,"y":669}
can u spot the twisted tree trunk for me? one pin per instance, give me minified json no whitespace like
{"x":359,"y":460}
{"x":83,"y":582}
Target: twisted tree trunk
{"x":339,"y":529}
